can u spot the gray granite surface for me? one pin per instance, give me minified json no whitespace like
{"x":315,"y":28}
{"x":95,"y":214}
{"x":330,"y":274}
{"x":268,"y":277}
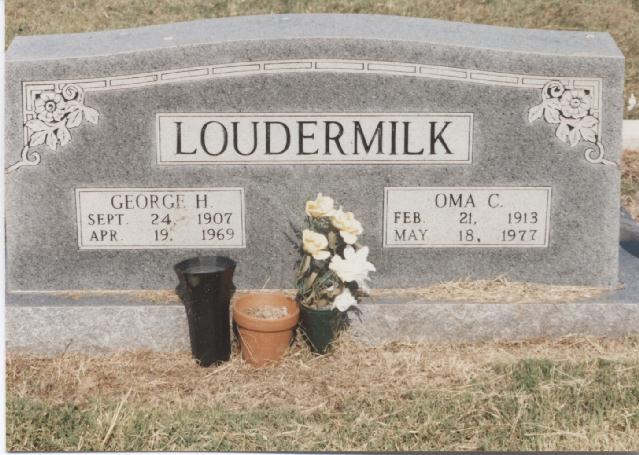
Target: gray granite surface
{"x":53,"y":329}
{"x":48,"y":324}
{"x":120,"y":151}
{"x":307,"y":26}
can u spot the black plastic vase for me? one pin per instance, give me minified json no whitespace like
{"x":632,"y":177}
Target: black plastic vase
{"x":206,"y":287}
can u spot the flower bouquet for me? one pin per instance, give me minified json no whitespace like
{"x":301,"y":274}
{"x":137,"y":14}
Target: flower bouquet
{"x":333,"y":271}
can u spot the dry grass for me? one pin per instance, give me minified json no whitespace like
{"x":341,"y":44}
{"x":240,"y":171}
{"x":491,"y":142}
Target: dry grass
{"x":619,"y":17}
{"x":575,"y":393}
{"x":352,"y":369}
{"x":138,"y":295}
{"x":630,"y":183}
{"x":498,"y":290}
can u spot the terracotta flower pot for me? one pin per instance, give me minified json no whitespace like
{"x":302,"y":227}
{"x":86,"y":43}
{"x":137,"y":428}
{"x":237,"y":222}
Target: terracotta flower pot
{"x":264,"y":340}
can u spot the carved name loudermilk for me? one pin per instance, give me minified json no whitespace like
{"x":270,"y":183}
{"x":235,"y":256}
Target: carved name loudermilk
{"x":314,"y":138}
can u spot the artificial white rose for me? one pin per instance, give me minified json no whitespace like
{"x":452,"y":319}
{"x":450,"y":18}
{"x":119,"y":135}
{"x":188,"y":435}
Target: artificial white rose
{"x":349,"y":227}
{"x":321,"y":206}
{"x":315,"y":244}
{"x":353,"y":267}
{"x":344,"y":301}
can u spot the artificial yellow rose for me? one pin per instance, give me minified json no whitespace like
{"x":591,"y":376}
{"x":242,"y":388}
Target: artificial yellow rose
{"x":349,"y":227}
{"x":315,"y":244}
{"x":322,"y":206}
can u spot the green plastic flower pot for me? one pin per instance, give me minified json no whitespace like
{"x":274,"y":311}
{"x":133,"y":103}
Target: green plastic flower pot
{"x":321,"y":327}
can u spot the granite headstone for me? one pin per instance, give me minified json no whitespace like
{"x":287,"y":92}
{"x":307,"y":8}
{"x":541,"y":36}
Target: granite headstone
{"x":467,"y":151}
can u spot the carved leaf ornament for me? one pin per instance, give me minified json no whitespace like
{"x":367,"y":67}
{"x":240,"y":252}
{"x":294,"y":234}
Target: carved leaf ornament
{"x":571,"y":111}
{"x":57,"y":112}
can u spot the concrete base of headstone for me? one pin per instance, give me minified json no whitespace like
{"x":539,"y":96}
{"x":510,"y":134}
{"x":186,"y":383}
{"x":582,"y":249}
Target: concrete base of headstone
{"x":44,"y":323}
{"x":630,"y":135}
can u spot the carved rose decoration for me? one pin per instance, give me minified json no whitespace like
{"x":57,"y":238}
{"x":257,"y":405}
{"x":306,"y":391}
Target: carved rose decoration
{"x":57,"y":111}
{"x":570,"y":109}
{"x":575,"y":103}
{"x":50,"y":107}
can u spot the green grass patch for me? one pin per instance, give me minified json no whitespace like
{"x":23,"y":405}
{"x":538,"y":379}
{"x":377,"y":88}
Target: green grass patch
{"x":531,"y":404}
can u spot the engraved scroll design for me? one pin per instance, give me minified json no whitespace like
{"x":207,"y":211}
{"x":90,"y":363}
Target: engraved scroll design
{"x":56,"y":112}
{"x":51,"y":108}
{"x":571,"y":111}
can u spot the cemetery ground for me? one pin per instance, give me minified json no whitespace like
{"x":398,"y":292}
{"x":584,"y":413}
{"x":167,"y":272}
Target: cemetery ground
{"x":575,"y":393}
{"x":618,"y":17}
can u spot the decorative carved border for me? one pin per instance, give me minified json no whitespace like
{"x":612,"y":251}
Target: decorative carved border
{"x":48,"y":124}
{"x":572,"y":110}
